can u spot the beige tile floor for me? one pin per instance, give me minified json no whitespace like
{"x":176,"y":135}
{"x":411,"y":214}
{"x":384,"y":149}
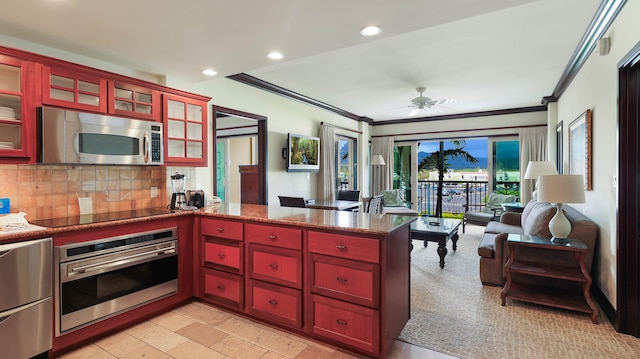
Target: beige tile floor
{"x":197,"y":330}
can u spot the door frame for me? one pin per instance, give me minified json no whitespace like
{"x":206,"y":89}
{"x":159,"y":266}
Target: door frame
{"x":262,"y":147}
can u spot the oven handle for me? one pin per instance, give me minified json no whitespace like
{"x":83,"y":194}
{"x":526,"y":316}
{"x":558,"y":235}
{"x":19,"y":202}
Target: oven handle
{"x":106,"y":264}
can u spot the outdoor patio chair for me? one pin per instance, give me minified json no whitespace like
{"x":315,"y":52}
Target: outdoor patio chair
{"x":481,"y":214}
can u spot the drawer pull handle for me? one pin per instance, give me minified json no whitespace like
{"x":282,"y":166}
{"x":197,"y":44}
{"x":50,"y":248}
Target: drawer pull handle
{"x":342,"y":280}
{"x":273,"y":237}
{"x":273,"y":266}
{"x":341,"y":322}
{"x":221,"y":287}
{"x":273,"y":301}
{"x":221,"y":255}
{"x":220,"y":229}
{"x":341,"y":247}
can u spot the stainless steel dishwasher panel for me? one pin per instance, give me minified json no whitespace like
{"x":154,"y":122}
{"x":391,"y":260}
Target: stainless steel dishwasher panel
{"x":26,"y":331}
{"x":25,"y":272}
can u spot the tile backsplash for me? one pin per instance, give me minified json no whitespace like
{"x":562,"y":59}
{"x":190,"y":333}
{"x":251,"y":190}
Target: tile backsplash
{"x":49,"y":191}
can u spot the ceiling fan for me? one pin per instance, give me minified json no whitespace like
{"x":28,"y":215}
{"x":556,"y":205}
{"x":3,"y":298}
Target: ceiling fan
{"x":422,"y":102}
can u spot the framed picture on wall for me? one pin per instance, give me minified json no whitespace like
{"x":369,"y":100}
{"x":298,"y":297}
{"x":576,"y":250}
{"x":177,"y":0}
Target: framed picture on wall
{"x":580,"y":148}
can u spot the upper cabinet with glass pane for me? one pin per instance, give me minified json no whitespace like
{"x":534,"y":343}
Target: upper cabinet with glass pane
{"x":16,"y":121}
{"x":74,"y":89}
{"x":185,"y":122}
{"x":134,"y":101}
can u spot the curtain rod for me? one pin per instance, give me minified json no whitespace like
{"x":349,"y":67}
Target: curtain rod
{"x":463,"y":130}
{"x":340,"y":127}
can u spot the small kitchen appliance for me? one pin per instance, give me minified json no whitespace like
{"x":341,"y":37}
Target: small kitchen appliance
{"x":179,"y":197}
{"x":195,"y":198}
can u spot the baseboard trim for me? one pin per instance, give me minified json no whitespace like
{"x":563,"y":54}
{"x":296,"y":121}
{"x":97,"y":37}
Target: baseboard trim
{"x":606,"y":307}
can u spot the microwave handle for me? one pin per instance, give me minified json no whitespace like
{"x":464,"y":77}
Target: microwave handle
{"x":146,"y":146}
{"x":76,"y":143}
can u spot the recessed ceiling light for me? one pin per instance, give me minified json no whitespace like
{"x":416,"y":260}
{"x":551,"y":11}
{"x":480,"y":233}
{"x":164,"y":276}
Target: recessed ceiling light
{"x":209,"y":72}
{"x":275,"y":55}
{"x":370,"y":30}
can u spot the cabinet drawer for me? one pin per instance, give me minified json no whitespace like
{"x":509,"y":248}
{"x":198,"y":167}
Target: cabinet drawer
{"x":275,"y":303}
{"x":352,"y":281}
{"x":274,"y":236}
{"x":221,"y":228}
{"x":223,"y":254}
{"x":18,"y":335}
{"x":224,"y":288}
{"x":347,"y":323}
{"x":276,"y":265}
{"x":360,"y":248}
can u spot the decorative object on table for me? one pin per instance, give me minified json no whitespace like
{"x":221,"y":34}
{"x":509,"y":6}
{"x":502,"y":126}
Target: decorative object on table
{"x":536,"y":169}
{"x":580,"y":148}
{"x":560,"y":189}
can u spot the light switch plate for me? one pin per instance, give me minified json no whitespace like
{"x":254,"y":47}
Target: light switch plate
{"x":154,"y":192}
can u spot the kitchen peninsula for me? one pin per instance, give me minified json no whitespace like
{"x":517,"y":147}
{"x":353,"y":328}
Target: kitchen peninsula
{"x":335,"y":276}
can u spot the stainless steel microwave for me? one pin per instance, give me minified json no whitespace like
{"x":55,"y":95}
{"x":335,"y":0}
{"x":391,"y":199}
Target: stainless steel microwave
{"x":66,"y":136}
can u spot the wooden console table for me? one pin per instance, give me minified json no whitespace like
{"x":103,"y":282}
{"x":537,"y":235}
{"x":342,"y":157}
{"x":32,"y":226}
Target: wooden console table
{"x":570,"y":298}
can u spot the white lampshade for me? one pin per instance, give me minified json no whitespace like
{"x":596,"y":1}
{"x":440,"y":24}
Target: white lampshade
{"x":561,"y":189}
{"x":377,"y":160}
{"x":540,"y":168}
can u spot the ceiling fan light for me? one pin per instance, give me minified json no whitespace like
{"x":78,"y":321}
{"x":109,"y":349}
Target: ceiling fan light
{"x":414,"y":112}
{"x":209,"y":72}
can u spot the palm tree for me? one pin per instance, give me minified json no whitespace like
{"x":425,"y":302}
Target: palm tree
{"x":438,"y":160}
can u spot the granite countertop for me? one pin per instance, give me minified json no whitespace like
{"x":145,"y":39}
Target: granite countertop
{"x":347,"y":221}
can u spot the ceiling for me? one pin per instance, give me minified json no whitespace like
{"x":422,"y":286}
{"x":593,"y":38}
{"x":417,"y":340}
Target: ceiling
{"x":487,"y":54}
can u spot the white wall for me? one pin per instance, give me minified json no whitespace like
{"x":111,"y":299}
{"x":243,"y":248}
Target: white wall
{"x":596,"y":88}
{"x":283,"y":116}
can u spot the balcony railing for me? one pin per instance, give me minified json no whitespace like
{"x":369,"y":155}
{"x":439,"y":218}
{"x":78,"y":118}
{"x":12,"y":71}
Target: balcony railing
{"x":456,"y":194}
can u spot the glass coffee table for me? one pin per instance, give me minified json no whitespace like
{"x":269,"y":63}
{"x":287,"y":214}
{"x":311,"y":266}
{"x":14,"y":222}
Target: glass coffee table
{"x":431,"y":229}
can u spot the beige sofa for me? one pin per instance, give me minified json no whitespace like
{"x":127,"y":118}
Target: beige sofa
{"x":534,"y":220}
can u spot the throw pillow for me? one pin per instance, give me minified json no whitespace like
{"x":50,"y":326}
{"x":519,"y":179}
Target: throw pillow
{"x":393,"y":198}
{"x":537,"y":223}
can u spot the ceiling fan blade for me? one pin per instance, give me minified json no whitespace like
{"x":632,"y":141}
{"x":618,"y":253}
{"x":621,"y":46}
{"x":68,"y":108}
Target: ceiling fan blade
{"x":414,"y":112}
{"x":444,"y":101}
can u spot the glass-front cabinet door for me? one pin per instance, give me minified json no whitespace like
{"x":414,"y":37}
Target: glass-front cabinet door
{"x":186,"y":130}
{"x":72,"y":89}
{"x":134,"y":101}
{"x":15,"y":121}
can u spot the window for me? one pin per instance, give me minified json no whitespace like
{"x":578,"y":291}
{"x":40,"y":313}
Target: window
{"x":347,"y":164}
{"x":506,"y":166}
{"x":402,"y":168}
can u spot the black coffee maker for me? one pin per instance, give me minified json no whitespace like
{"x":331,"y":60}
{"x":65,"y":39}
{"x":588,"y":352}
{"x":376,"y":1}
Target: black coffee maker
{"x":195,"y":198}
{"x":178,"y":198}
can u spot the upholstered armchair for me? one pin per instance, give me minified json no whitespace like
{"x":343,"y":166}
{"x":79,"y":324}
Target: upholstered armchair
{"x":481,"y":214}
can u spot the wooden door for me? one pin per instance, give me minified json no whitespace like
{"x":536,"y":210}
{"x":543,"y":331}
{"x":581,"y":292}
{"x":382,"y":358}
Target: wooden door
{"x":628,"y":271}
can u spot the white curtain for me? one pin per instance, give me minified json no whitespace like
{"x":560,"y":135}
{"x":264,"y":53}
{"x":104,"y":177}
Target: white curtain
{"x":381,"y":176}
{"x":326,"y":188}
{"x":533,"y":147}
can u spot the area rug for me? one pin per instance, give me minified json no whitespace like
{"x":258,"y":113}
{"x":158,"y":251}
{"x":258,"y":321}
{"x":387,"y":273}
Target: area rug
{"x":453,"y":313}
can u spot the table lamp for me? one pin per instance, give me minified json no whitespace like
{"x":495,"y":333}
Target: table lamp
{"x":560,"y":189}
{"x":536,"y":169}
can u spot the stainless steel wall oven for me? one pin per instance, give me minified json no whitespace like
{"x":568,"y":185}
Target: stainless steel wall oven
{"x":101,"y":278}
